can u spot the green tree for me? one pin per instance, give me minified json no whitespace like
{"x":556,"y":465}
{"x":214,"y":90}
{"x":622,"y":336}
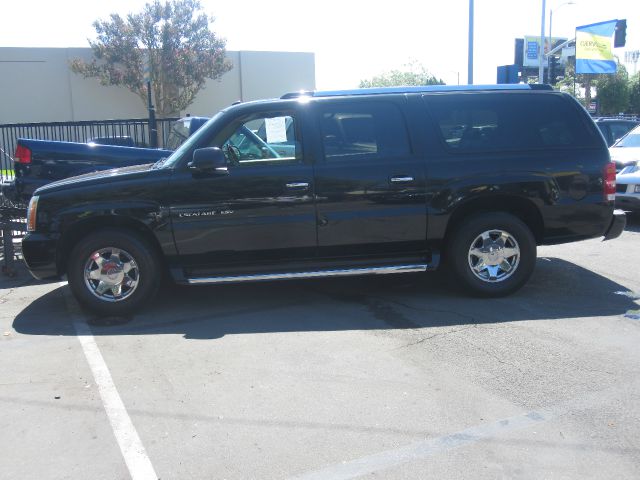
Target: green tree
{"x":576,"y":85}
{"x":613,"y":92}
{"x":172,"y":38}
{"x":634,"y":94}
{"x":414,"y":74}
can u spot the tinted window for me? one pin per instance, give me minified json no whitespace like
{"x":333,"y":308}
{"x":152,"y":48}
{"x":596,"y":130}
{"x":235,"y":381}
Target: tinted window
{"x":364,"y":130}
{"x":619,"y":130}
{"x":508,"y":121}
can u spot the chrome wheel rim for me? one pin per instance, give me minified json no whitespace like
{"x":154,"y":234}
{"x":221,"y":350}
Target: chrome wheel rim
{"x":111,"y":274}
{"x":494,"y":256}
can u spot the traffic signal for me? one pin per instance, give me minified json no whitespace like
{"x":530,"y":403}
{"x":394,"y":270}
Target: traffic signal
{"x":553,"y":69}
{"x":620,"y":38}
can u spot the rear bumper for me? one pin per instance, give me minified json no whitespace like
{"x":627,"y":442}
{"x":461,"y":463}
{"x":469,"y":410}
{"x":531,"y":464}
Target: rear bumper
{"x":628,"y":202}
{"x":618,"y":222}
{"x":39,"y":252}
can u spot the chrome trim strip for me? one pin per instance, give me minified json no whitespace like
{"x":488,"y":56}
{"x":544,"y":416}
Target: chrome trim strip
{"x":401,"y":179}
{"x":315,"y":274}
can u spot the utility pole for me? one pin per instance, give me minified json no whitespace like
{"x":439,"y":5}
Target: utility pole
{"x":470,"y":60}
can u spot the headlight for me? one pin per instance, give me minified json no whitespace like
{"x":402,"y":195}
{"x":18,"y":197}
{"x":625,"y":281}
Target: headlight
{"x":32,"y":213}
{"x":637,"y":189}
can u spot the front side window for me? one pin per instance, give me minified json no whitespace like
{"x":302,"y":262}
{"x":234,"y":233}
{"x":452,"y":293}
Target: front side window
{"x":262,"y":140}
{"x":363,"y":131}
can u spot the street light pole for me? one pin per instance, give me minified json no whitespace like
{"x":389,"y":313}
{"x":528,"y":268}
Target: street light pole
{"x":550,"y":44}
{"x":541,"y":52}
{"x":470,"y":60}
{"x":153,"y":125}
{"x":570,"y":2}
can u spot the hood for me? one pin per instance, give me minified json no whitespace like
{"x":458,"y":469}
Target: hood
{"x":624,"y":154}
{"x":102,"y":177}
{"x":630,"y":174}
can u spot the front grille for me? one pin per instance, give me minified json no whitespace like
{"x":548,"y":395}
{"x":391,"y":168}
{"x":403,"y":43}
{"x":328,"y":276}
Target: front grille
{"x":621,"y":187}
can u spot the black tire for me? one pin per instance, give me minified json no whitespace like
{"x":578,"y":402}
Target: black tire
{"x":488,"y":281}
{"x":146,"y":274}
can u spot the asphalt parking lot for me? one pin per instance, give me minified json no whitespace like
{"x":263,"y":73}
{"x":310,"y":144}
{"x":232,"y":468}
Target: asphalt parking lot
{"x":391,"y":377}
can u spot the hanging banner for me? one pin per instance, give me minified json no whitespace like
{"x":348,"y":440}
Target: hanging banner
{"x":593,"y":48}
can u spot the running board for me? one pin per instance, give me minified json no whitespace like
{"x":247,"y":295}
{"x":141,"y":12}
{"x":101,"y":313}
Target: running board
{"x":314,"y":274}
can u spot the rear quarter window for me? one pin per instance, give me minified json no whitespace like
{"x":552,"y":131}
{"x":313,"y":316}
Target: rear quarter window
{"x":500,"y":121}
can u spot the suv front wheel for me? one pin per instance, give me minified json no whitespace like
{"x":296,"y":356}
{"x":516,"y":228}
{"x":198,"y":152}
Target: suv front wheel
{"x":113,"y":272}
{"x":491,"y":254}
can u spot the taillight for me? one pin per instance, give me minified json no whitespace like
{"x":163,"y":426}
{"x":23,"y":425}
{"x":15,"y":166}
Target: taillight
{"x":610,"y":182}
{"x":23,"y":154}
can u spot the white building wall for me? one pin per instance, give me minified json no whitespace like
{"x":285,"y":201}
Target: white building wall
{"x":36,"y":85}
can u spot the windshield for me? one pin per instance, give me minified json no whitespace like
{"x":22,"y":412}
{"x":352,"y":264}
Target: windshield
{"x":631,"y":140}
{"x":179,"y":134}
{"x":192,"y":140}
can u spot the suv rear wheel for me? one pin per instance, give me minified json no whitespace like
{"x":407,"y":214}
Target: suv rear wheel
{"x":113,"y":272}
{"x":491,"y":254}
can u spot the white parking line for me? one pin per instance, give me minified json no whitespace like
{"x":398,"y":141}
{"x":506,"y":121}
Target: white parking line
{"x":135,"y":456}
{"x":416,"y":451}
{"x":419,"y":450}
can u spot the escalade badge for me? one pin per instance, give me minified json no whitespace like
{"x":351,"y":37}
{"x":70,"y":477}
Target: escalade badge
{"x":205,"y":213}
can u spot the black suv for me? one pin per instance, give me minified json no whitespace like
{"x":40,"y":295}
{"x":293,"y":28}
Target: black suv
{"x":320,"y":184}
{"x":613,"y":129}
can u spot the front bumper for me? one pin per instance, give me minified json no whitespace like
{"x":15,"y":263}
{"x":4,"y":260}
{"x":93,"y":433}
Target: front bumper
{"x":618,"y":222}
{"x":39,"y":252}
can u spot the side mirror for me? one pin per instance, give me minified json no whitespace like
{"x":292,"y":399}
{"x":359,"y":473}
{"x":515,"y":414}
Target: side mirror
{"x":210,"y":160}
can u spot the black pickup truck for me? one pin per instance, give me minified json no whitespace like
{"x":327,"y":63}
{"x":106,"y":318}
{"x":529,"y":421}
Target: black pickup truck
{"x":323,"y":184}
{"x":38,"y":162}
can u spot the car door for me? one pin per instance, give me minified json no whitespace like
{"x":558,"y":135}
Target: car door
{"x":260,"y":212}
{"x":369,"y":182}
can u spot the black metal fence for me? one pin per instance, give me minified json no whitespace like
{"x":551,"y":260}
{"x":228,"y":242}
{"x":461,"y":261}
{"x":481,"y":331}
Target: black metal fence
{"x":13,"y":224}
{"x":13,"y":217}
{"x":135,"y":128}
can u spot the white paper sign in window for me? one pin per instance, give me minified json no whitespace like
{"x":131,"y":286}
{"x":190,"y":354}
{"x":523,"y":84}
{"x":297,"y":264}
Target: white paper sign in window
{"x":276,"y":129}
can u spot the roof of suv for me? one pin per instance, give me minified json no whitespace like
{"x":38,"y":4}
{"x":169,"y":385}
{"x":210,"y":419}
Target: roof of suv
{"x":420,"y":89}
{"x":613,"y":119}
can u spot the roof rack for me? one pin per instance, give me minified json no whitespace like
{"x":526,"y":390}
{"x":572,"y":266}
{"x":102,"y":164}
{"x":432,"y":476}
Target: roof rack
{"x":426,"y":88}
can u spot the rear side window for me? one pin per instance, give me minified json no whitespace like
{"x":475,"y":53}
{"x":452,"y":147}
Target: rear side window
{"x":508,"y":122}
{"x":363,"y":131}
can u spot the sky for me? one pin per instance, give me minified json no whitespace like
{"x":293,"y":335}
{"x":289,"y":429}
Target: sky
{"x":352,"y":40}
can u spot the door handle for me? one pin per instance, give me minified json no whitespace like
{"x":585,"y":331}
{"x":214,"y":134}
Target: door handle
{"x":297,"y":186}
{"x":401,"y":179}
